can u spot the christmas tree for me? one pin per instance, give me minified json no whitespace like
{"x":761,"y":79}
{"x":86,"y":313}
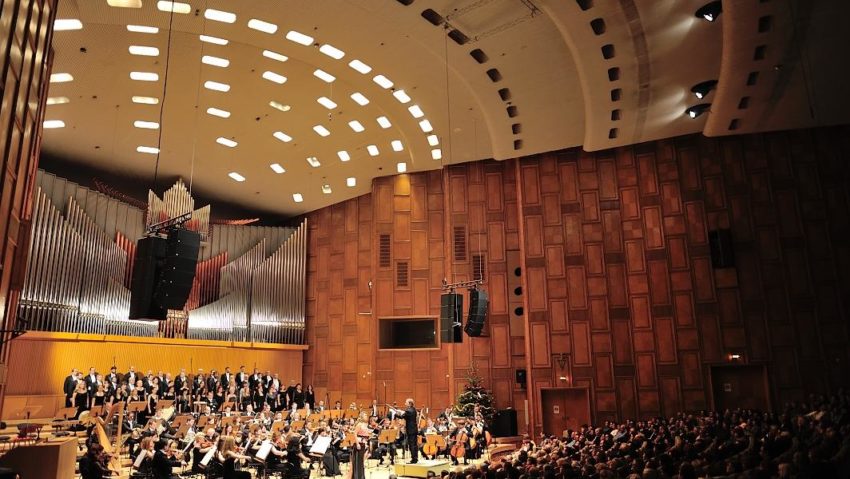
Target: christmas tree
{"x":475,"y":393}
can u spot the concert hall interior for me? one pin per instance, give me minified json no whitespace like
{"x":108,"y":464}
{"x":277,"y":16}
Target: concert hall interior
{"x":477,"y":238}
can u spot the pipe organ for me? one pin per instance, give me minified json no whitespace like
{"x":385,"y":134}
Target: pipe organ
{"x":80,"y":263}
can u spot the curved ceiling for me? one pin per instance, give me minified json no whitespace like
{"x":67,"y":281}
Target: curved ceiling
{"x":494,"y":78}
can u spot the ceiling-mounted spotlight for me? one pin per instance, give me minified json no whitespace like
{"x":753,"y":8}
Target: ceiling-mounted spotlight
{"x":700,"y":90}
{"x":697,"y":110}
{"x":710,"y":11}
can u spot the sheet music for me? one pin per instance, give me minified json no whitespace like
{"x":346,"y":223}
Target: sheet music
{"x":264,"y":451}
{"x":208,"y":457}
{"x":320,"y":445}
{"x":139,"y":459}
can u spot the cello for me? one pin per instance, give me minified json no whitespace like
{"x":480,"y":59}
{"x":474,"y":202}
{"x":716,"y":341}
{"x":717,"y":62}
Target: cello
{"x":458,"y":450}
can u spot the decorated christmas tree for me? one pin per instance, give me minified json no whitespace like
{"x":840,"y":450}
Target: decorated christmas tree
{"x":475,"y":393}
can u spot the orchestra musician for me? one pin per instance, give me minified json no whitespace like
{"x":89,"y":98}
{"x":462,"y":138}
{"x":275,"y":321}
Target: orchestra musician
{"x":93,"y":463}
{"x":294,"y":458}
{"x":411,"y":428}
{"x":164,"y":460}
{"x":229,"y":456}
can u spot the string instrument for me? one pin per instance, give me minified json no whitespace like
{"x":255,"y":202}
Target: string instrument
{"x":349,"y":441}
{"x":458,"y":449}
{"x":114,"y":463}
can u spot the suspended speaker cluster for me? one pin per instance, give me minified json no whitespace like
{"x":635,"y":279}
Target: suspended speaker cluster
{"x":451,"y":315}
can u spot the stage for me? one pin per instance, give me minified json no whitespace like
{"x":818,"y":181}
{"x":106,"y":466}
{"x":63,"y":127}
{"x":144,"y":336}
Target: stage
{"x":421,"y":468}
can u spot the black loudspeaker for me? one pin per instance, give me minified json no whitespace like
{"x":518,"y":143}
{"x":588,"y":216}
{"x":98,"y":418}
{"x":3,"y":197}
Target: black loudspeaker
{"x":520,"y":378}
{"x":722,"y":251}
{"x":150,"y":252}
{"x":477,"y":313}
{"x":451,"y":315}
{"x":178,"y":269}
{"x":505,"y":423}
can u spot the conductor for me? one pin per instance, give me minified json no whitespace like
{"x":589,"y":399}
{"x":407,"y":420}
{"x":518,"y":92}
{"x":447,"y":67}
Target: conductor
{"x":411,"y":430}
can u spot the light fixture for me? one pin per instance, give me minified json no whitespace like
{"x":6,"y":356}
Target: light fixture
{"x":359,"y":66}
{"x":397,"y":146}
{"x":57,"y":100}
{"x":326,"y":102}
{"x":384,"y":122}
{"x":213,"y":40}
{"x":215,"y":61}
{"x":313,"y":161}
{"x":279,"y":106}
{"x":296,"y":197}
{"x":321,"y":130}
{"x":219,"y":15}
{"x":262,"y":26}
{"x":218,"y":112}
{"x":359,"y":98}
{"x":148,"y":150}
{"x":226,"y":142}
{"x":373,"y":150}
{"x":383,"y":81}
{"x":710,"y":11}
{"x":697,"y":110}
{"x":124,"y":3}
{"x":351,"y":182}
{"x":236,"y":176}
{"x":277,"y":168}
{"x":401,"y":96}
{"x":326,"y":189}
{"x":216,"y":86}
{"x":437,"y":154}
{"x":144,"y":76}
{"x":343,"y":155}
{"x":142,"y":29}
{"x":146,"y":125}
{"x":66,"y":24}
{"x":356,"y":126}
{"x":61,"y":78}
{"x":53,"y":124}
{"x":416,"y":111}
{"x":332,"y":51}
{"x":433,"y":140}
{"x":426,"y":127}
{"x":324,"y":76}
{"x":299,"y":38}
{"x":144,"y":51}
{"x":145,"y":100}
{"x":702,"y":89}
{"x":401,"y":167}
{"x":274,"y":77}
{"x":176,"y":7}
{"x":275,"y":56}
{"x":282,"y":136}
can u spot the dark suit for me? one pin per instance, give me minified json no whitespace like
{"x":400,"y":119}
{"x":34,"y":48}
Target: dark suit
{"x":411,"y":430}
{"x":161,"y":466}
{"x":131,"y":378}
{"x":91,"y":384}
{"x":179,"y":382}
{"x":68,"y":388}
{"x":241,"y":378}
{"x":225,"y":380}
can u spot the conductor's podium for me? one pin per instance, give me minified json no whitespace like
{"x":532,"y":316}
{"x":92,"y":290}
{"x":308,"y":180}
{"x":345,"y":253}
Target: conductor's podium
{"x":46,"y":460}
{"x":421,"y":468}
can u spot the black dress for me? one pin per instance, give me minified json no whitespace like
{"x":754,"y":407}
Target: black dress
{"x":293,"y":460}
{"x":230,"y":471}
{"x":80,"y":402}
{"x":310,"y":399}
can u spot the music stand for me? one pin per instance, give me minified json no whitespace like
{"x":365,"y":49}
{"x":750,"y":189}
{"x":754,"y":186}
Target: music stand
{"x":296,"y":425}
{"x":96,"y":411}
{"x":164,"y":403}
{"x":25,"y":428}
{"x":137,"y":407}
{"x":334,"y":413}
{"x":179,"y":421}
{"x":116,"y":409}
{"x":228,"y":404}
{"x":314,"y":418}
{"x":227,"y":420}
{"x":284,"y":415}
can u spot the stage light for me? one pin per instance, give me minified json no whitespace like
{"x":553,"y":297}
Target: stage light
{"x":710,"y":11}
{"x":697,"y":110}
{"x":702,"y":89}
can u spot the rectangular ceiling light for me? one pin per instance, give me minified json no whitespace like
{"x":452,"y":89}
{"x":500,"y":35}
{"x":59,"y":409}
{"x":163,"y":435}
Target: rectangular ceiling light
{"x":145,"y":100}
{"x":125,"y":3}
{"x":279,"y":106}
{"x":176,"y":7}
{"x":433,"y":140}
{"x":65,"y":24}
{"x":397,"y":146}
{"x":321,"y":130}
{"x":328,"y":50}
{"x":218,"y":112}
{"x":61,"y":78}
{"x":351,"y":182}
{"x":314,"y":162}
{"x":401,"y":96}
{"x":215,"y":61}
{"x":219,"y":15}
{"x":384,"y":122}
{"x":416,"y":111}
{"x":275,"y":56}
{"x":51,"y":124}
{"x":373,"y":150}
{"x":326,"y":102}
{"x":299,"y":38}
{"x":226,"y":142}
{"x":213,"y":40}
{"x":277,"y":168}
{"x":144,"y":51}
{"x":359,"y":98}
{"x":142,"y":29}
{"x":274,"y":77}
{"x":296,"y":197}
{"x":150,"y":150}
{"x":383,"y":81}
{"x":401,"y":167}
{"x":236,"y":176}
{"x":144,"y":76}
{"x":343,"y":155}
{"x":216,"y":86}
{"x":326,"y":189}
{"x":437,"y":154}
{"x":426,"y":127}
{"x":282,"y":136}
{"x":57,"y":100}
{"x":262,"y":26}
{"x":146,"y":125}
{"x":360,"y":66}
{"x":356,"y":126}
{"x":324,"y":76}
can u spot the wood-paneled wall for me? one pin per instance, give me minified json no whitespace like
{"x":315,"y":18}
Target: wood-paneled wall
{"x":26,"y":28}
{"x":614,"y":254}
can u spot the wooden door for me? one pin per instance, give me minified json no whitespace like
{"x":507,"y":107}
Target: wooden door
{"x":739,"y":386}
{"x":564,"y":408}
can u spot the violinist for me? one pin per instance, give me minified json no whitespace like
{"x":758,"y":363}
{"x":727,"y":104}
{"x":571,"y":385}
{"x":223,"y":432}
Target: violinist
{"x":232,"y":459}
{"x":93,"y":464}
{"x":164,"y":460}
{"x":294,"y":458}
{"x":142,"y":462}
